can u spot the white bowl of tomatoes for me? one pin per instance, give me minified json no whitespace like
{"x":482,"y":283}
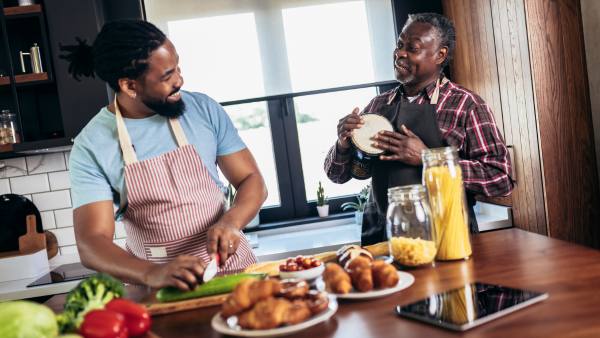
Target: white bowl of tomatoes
{"x":301,"y":267}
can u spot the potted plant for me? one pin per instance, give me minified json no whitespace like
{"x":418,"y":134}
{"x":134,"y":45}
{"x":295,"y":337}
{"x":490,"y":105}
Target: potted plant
{"x":322,"y":206}
{"x":359,"y":207}
{"x":230,"y":197}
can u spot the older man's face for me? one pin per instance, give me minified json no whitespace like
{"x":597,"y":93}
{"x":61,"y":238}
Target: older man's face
{"x":416,"y":56}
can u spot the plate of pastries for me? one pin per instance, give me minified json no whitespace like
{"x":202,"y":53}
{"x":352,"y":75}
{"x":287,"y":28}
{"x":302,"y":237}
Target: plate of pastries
{"x":271,"y":308}
{"x":357,"y":275}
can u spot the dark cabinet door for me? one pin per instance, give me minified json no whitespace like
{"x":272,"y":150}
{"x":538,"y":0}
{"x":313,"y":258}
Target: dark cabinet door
{"x":79,"y":100}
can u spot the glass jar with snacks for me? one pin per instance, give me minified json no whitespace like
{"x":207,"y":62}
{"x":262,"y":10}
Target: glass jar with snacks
{"x":443,"y":178}
{"x":9,"y":133}
{"x":411,"y":235}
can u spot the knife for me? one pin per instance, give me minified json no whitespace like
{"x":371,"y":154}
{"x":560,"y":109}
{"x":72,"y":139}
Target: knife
{"x":211,"y":269}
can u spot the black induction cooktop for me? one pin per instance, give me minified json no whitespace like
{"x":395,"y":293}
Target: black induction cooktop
{"x":64,"y":273}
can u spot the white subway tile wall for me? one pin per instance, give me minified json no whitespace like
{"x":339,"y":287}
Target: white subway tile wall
{"x":59,"y":180}
{"x":13,"y":167}
{"x":44,"y":179}
{"x":4,"y":186}
{"x":64,"y":218}
{"x":45,"y":163}
{"x":48,"y":220}
{"x":52,"y":200}
{"x":29,"y":184}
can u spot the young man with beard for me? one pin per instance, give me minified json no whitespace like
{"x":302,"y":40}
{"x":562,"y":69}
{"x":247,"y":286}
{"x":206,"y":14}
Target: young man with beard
{"x":459,"y":118}
{"x":154,"y":152}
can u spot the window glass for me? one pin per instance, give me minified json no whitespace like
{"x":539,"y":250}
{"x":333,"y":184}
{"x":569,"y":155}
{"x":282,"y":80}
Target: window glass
{"x":252,"y":122}
{"x":216,"y":48}
{"x":317,"y":117}
{"x":328,"y":45}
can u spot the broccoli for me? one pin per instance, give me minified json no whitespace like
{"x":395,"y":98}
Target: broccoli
{"x":91,"y":293}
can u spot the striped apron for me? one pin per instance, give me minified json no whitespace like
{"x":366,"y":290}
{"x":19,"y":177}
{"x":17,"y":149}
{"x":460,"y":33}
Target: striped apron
{"x":172,"y":202}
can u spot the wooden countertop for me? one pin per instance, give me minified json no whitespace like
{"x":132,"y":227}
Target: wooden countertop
{"x":512,"y":257}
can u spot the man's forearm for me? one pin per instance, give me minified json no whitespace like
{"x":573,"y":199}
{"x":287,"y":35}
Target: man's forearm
{"x":101,"y":254}
{"x":337,"y":164}
{"x":250,"y":196}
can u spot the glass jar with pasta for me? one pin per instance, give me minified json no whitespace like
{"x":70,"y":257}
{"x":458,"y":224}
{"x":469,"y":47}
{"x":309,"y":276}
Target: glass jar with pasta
{"x":442,"y":177}
{"x":409,"y":228}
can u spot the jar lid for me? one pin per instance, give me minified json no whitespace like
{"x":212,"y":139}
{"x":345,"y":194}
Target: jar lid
{"x":362,"y":137}
{"x":439,"y":154}
{"x":413,"y":192}
{"x":6,"y":113}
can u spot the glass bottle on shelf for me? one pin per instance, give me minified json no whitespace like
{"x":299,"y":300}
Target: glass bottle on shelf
{"x":443,"y":178}
{"x":411,"y":234}
{"x":9,"y":132}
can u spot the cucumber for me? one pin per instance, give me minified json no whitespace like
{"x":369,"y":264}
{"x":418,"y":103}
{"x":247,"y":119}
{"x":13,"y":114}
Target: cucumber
{"x":216,"y":286}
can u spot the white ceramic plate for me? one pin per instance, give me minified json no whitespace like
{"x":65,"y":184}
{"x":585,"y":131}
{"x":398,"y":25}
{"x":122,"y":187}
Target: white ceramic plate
{"x":405,"y":280}
{"x":308,"y":275}
{"x":220,"y":325}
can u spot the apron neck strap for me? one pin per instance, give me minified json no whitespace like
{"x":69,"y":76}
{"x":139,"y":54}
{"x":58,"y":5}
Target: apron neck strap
{"x":178,"y":132}
{"x":436,"y":92}
{"x":129,"y":155}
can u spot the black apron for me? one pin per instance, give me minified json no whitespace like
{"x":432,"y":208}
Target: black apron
{"x":421,"y":120}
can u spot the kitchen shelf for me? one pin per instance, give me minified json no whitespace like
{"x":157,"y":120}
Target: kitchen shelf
{"x":20,"y":10}
{"x":24,"y":78}
{"x":35,"y":147}
{"x":6,"y":148}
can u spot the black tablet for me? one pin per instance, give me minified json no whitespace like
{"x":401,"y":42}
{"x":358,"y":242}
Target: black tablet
{"x":469,"y":306}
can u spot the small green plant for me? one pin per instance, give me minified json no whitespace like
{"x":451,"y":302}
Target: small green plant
{"x":362,"y":198}
{"x":321,"y":199}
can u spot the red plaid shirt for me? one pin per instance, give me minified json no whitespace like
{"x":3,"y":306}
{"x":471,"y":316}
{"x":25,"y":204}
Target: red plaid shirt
{"x":465,"y":122}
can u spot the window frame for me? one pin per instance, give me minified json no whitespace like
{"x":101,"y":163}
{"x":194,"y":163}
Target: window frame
{"x":286,"y":152}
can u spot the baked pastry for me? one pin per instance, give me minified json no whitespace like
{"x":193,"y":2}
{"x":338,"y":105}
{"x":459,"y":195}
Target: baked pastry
{"x":348,"y":252}
{"x":293,"y":288}
{"x":384,"y":274}
{"x":317,"y":301}
{"x":238,"y":300}
{"x":297,"y":312}
{"x":360,"y":273}
{"x":336,"y":279}
{"x":247,"y":293}
{"x":266,"y":314}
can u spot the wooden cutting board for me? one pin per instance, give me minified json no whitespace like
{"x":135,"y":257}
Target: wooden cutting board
{"x":155,"y":308}
{"x":32,"y":241}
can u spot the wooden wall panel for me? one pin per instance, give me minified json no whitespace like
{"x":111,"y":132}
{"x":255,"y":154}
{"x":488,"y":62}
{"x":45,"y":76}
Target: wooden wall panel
{"x":518,"y":109}
{"x":474,"y":64}
{"x":492,"y":60}
{"x":565,"y":126}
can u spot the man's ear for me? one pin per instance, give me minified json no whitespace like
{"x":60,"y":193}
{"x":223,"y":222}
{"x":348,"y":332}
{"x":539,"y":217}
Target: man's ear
{"x":441,"y":56}
{"x":128,"y":87}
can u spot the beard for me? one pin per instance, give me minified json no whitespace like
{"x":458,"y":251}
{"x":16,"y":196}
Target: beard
{"x":164,"y":108}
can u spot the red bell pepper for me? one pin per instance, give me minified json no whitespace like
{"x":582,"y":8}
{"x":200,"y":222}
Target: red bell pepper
{"x":137,"y":318}
{"x":103,"y":324}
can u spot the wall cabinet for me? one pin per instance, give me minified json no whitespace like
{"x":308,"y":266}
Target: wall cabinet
{"x":51,"y":107}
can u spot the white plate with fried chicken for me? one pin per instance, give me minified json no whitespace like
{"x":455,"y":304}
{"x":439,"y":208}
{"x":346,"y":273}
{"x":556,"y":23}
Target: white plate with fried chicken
{"x":271,"y":308}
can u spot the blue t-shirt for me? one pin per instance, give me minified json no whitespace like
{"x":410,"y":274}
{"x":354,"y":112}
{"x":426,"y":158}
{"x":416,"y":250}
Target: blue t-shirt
{"x":96,"y":162}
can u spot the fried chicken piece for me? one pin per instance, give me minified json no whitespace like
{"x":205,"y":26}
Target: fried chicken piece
{"x":293,"y":288}
{"x":266,"y":314}
{"x":248,"y":293}
{"x":298,"y":312}
{"x":360,"y":273}
{"x":336,"y":279}
{"x":384,"y":274}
